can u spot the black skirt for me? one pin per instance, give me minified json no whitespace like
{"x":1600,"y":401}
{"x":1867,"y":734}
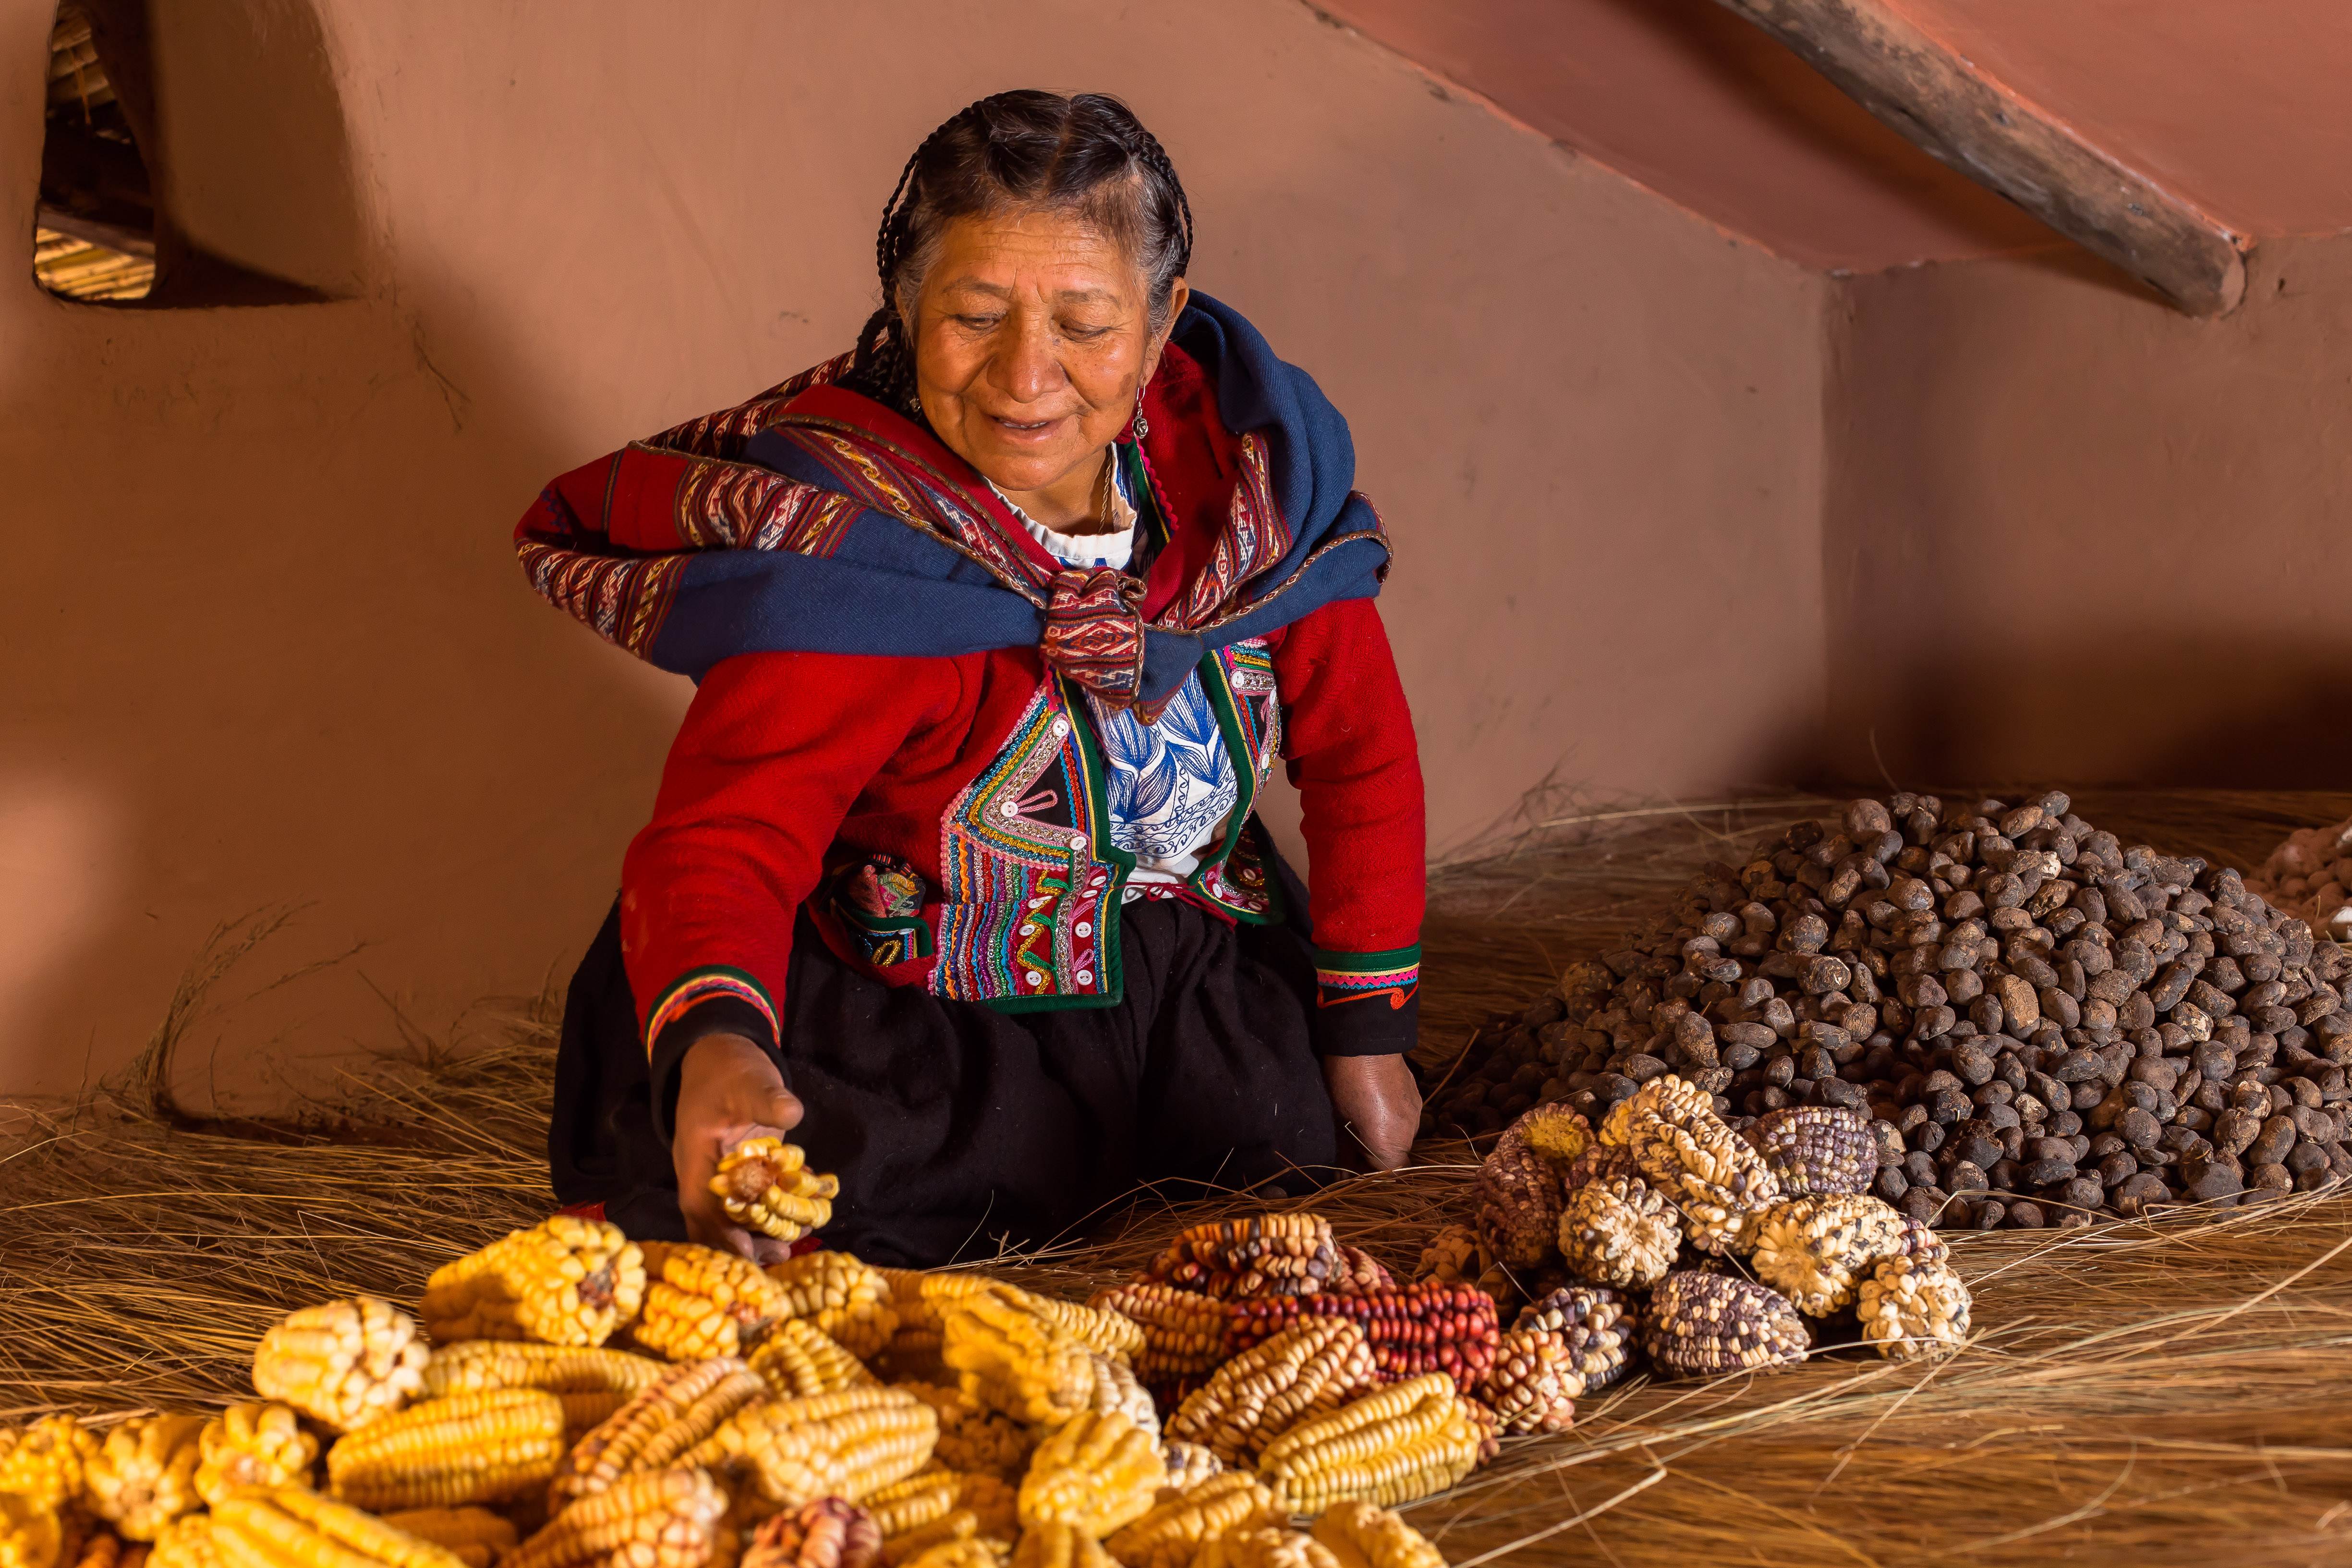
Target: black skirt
{"x":958,"y":1130}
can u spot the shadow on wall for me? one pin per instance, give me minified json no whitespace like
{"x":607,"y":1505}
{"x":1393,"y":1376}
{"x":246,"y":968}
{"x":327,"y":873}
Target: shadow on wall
{"x":395,"y":694}
{"x":282,"y":652}
{"x":2248,"y":712}
{"x":2074,"y":535}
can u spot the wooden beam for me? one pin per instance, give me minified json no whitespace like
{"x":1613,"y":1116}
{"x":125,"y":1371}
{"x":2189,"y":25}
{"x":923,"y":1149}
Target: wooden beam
{"x":138,"y":242}
{"x":1947,"y":106}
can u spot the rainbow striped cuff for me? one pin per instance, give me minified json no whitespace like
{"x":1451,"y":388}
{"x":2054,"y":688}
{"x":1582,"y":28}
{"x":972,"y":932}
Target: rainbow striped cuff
{"x":1367,"y":1004}
{"x":696,"y":986}
{"x":1344,"y":977}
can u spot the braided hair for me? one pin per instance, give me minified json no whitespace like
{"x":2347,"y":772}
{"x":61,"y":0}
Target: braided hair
{"x":1086,"y":155}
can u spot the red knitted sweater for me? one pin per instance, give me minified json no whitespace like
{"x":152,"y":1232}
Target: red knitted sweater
{"x":942,"y":819}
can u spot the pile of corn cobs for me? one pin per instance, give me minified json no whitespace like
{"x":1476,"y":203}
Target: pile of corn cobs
{"x":2043,"y":1024}
{"x":1637,"y":1237}
{"x":567,"y":1398}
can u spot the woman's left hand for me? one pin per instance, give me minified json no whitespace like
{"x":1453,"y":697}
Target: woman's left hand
{"x":1378,"y":1109}
{"x":728,"y":1091}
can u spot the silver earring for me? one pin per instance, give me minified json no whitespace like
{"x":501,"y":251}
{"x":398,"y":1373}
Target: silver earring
{"x":1142,"y":425}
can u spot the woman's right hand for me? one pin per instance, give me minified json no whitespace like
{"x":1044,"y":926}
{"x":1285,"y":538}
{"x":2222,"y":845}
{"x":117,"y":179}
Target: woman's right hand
{"x":728,"y":1091}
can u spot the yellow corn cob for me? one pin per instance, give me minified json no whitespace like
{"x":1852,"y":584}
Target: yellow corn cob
{"x":799,"y":1359}
{"x":1116,"y":1390}
{"x":766,"y":1185}
{"x":850,"y":1300}
{"x":345,"y":1364}
{"x":1403,"y":1442}
{"x":1011,"y":1358}
{"x":657,"y":1518}
{"x":1098,"y":1472}
{"x":187,"y":1542}
{"x":1189,"y":1464}
{"x":1175,"y":1529}
{"x":279,"y":1526}
{"x":975,"y":1437}
{"x":912,"y":1353}
{"x":253,"y":1446}
{"x":79,"y":1529}
{"x":583,"y":1413}
{"x":593,"y":1383}
{"x":1099,"y":1329}
{"x":964,"y":1552}
{"x":468,"y":1447}
{"x":1315,"y":1366}
{"x":475,"y":1366}
{"x":904,"y":1291}
{"x":918,"y":1296}
{"x":910,"y":1504}
{"x":827,"y":1533}
{"x":679,"y":1409}
{"x":31,"y":1536}
{"x":46,"y":1462}
{"x":475,"y":1536}
{"x":1265,"y":1548}
{"x":1362,"y":1536}
{"x":143,"y":1474}
{"x":1183,"y":1332}
{"x":994,"y":1506}
{"x":1058,"y":1545}
{"x":565,"y":1281}
{"x":702,"y":1303}
{"x":957,"y":1525}
{"x":1533,"y":1384}
{"x":785,"y":1452}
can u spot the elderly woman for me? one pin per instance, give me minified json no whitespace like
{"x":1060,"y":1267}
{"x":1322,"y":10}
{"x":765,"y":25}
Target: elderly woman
{"x":999,"y":624}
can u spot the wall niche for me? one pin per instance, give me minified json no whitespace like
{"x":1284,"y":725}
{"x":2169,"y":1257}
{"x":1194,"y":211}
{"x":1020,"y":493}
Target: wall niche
{"x":195,"y":155}
{"x":94,"y":230}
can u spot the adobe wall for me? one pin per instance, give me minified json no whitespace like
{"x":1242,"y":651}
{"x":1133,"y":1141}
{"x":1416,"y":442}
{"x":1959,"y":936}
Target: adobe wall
{"x":2071,"y":535}
{"x":266,"y":642}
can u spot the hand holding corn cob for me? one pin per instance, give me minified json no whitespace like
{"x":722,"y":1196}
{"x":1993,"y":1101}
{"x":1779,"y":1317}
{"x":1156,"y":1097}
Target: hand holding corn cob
{"x":729,"y":1093}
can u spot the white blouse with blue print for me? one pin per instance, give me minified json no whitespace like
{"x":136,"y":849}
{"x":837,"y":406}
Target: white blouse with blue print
{"x":1170,"y":786}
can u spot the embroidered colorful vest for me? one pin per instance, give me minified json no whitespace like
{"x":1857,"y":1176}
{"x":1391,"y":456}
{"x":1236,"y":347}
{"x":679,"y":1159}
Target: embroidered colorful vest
{"x":1026,"y":917}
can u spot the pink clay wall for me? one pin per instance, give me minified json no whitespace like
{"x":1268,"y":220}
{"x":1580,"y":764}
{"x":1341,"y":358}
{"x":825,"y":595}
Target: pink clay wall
{"x":267,"y":644}
{"x":2070,"y":535}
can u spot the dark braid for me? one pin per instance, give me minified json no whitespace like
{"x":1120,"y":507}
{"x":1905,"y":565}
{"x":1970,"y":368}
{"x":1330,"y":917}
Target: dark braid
{"x":1155,"y":158}
{"x":882,"y":368}
{"x":1087,"y":155}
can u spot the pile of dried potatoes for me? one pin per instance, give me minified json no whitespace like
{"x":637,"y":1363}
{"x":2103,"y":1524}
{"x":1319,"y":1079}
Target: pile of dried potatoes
{"x":2042,"y":1023}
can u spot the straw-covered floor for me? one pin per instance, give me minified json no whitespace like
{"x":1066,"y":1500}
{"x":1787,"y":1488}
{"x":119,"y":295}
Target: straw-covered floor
{"x":2157,"y":1392}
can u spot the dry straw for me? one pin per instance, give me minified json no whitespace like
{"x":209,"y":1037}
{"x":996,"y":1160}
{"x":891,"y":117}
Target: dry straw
{"x":2166,"y":1390}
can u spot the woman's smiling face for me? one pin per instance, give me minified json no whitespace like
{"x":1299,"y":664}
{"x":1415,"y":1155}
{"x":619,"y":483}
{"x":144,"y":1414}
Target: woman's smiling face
{"x":1032,"y":336}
